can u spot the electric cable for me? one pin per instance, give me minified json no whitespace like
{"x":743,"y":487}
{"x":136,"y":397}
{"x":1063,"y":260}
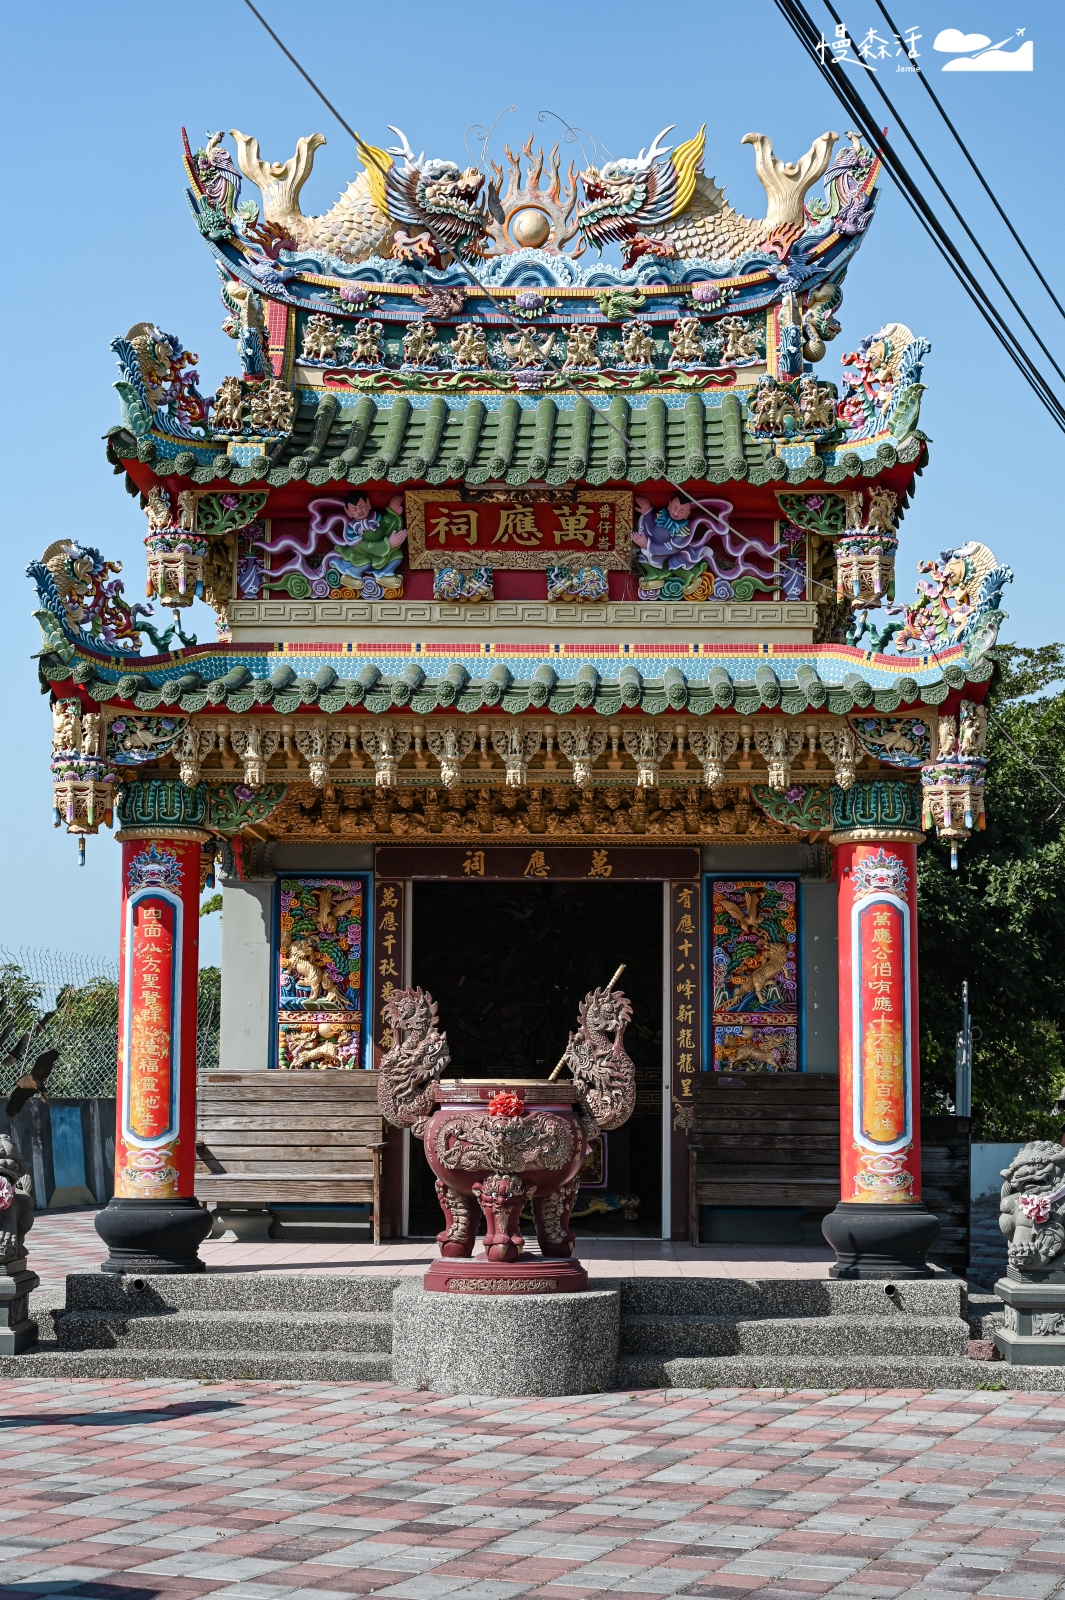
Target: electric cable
{"x":970,"y":235}
{"x":802,"y":26}
{"x":1029,"y":759}
{"x":286,"y":51}
{"x":963,"y":147}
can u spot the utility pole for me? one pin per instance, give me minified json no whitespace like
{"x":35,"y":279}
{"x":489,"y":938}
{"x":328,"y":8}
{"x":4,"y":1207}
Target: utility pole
{"x":963,"y":1082}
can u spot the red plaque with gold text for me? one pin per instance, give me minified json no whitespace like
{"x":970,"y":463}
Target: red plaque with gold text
{"x":592,"y":529}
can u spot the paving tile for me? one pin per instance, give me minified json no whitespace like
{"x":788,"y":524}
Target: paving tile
{"x":260,"y":1491}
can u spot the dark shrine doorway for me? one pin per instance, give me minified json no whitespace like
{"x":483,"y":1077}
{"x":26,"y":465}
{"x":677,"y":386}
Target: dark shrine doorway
{"x":508,"y":964}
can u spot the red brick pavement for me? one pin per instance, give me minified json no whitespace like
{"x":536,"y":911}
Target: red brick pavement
{"x":259,"y":1491}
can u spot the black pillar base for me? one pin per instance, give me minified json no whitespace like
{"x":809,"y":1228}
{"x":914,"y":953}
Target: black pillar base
{"x":880,"y":1241}
{"x":153,"y":1236}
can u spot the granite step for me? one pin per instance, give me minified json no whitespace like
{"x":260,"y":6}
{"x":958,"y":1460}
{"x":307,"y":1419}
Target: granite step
{"x":335,"y":1366}
{"x":746,"y":1298}
{"x":984,"y":1313}
{"x":832,"y":1372}
{"x":843,"y":1335}
{"x":236,"y":1291}
{"x":227,"y":1332}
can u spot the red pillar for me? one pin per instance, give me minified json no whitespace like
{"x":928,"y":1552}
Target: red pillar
{"x":880,"y":1229}
{"x":154,"y":1223}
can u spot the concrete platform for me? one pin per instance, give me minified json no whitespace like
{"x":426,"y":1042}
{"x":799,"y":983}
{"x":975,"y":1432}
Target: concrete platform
{"x":679,"y":1331}
{"x":68,"y":1242}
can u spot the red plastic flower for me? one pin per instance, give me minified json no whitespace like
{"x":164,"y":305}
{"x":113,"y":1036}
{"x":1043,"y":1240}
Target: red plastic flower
{"x":1036,"y":1207}
{"x":505,"y":1103}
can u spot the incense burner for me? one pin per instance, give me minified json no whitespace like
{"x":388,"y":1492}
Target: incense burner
{"x":496,"y":1144}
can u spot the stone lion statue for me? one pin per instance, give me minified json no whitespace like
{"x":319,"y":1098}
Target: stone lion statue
{"x":16,"y":1202}
{"x":1032,"y":1213}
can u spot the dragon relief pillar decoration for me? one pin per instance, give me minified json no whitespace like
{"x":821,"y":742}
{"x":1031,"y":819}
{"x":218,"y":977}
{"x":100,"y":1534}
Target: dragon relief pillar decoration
{"x":497,"y":1146}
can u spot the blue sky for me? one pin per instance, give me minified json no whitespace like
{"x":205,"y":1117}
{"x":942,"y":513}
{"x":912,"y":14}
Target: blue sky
{"x":99,"y":237}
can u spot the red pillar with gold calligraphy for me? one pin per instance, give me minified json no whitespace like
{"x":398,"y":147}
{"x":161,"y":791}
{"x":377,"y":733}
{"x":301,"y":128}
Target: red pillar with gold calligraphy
{"x":154,"y":1223}
{"x":880,"y":1229}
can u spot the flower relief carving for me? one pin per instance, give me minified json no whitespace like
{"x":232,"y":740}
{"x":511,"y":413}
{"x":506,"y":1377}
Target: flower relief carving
{"x":450,"y":745}
{"x":386,"y":743}
{"x":712,"y":747}
{"x":778,"y":743}
{"x":582,"y":743}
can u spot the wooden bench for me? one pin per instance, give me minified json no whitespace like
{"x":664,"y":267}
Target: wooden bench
{"x":773,"y":1140}
{"x":765,"y":1140}
{"x":290,"y":1137}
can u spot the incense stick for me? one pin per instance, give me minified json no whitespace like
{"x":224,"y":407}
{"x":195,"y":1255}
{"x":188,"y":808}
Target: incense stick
{"x":562,"y":1060}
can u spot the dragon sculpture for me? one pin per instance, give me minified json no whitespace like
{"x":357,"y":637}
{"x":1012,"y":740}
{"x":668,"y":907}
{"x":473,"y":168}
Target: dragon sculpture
{"x":397,"y":192}
{"x":595,"y":1056}
{"x":662,"y":204}
{"x":957,"y":600}
{"x":418,"y":1058}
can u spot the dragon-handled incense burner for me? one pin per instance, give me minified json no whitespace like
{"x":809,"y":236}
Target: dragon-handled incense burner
{"x":498,"y":1145}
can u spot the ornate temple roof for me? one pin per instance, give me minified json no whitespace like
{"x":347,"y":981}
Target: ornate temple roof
{"x":466,"y":467}
{"x":552,"y":439}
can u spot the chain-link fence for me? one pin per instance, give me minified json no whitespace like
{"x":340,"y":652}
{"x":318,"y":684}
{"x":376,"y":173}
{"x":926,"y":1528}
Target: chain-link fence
{"x":81,"y":992}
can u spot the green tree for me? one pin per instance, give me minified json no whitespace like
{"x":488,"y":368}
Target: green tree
{"x":999,"y":920}
{"x":208,"y":1007}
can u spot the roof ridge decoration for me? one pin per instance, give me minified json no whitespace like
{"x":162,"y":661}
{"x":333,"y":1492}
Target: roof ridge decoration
{"x":659,"y":203}
{"x":659,"y":206}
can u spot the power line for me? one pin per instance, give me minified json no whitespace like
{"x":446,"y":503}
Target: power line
{"x":286,"y":51}
{"x":1024,"y":753}
{"x":963,"y":147}
{"x":619,"y":431}
{"x":973,"y":240}
{"x":802,"y":25}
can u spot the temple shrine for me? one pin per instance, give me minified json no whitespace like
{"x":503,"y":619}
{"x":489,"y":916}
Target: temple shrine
{"x":556,"y":633}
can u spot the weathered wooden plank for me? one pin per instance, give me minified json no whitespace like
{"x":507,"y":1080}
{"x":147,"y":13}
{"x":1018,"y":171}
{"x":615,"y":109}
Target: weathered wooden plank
{"x":289,"y":1090}
{"x":787,"y":1085}
{"x":789,"y":1101}
{"x":254,"y":1075}
{"x":323,"y":1149}
{"x":262,"y":1190}
{"x":796,"y":1192}
{"x":797,"y":1147}
{"x":352,"y":1130}
{"x":296,"y":1170}
{"x":768,"y":1175}
{"x":722,"y":1109}
{"x":719,"y":1121}
{"x":350,"y":1118}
